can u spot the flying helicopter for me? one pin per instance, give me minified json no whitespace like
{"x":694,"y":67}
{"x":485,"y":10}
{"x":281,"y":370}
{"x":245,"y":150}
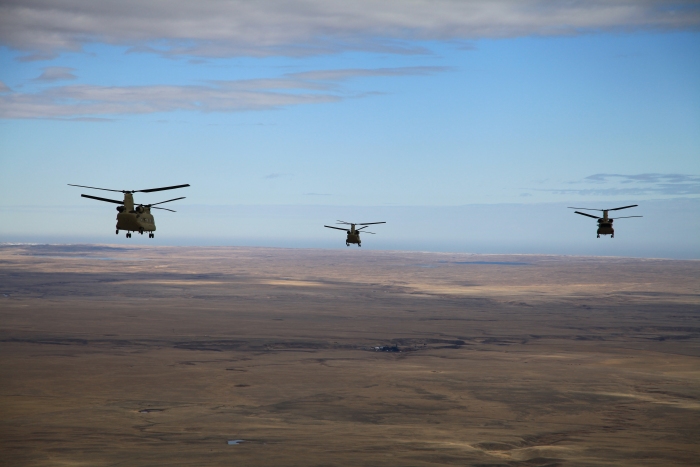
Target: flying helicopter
{"x":353,"y":233}
{"x":605,"y":223}
{"x":134,"y":218}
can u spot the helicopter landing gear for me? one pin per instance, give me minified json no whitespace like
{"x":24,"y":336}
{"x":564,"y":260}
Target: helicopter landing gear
{"x":347,"y":244}
{"x":151,"y":235}
{"x":612,"y":236}
{"x":117,"y":231}
{"x":128,"y":235}
{"x":598,"y":236}
{"x":359,"y":245}
{"x":141,"y":231}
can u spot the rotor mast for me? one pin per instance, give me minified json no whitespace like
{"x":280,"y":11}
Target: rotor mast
{"x":128,"y":201}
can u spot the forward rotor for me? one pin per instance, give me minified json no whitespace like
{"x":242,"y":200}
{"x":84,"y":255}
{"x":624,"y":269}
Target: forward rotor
{"x":106,"y":200}
{"x":603,"y":210}
{"x":336,"y":228}
{"x":359,"y":223}
{"x":148,"y":190}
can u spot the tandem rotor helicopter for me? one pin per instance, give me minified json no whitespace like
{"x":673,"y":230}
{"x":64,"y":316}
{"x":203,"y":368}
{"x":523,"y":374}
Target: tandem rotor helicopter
{"x":353,"y":233}
{"x":605,"y":223}
{"x":134,"y":219}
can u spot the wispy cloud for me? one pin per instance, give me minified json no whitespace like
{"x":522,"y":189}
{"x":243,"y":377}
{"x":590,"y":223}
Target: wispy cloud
{"x":56,"y":73}
{"x":655,"y":178}
{"x":37,"y":56}
{"x":344,"y":74}
{"x":221,"y":96}
{"x":603,"y":184}
{"x":90,"y":100}
{"x":211,"y":28}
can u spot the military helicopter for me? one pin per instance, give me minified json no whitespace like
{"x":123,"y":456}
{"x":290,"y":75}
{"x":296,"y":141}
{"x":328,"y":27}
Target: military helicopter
{"x":134,"y":219}
{"x":605,"y":223}
{"x":353,"y":233}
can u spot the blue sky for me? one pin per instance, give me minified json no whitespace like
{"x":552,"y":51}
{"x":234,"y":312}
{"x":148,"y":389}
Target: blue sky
{"x":428,"y":104}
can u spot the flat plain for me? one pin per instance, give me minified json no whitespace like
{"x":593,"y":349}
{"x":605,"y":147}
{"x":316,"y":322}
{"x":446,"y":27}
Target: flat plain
{"x":144,"y":356}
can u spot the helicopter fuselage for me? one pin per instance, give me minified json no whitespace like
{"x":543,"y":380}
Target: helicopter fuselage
{"x":605,"y":227}
{"x":136,"y":221}
{"x":353,"y":237}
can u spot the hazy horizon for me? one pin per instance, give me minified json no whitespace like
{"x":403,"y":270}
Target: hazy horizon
{"x":542,"y":228}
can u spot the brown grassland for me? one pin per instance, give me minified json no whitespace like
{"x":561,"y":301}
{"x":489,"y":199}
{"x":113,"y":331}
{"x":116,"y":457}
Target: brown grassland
{"x":145,"y":356}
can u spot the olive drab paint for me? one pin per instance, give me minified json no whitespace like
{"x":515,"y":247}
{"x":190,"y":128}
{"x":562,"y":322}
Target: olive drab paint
{"x":605,"y":223}
{"x":353,"y":233}
{"x":131,"y":217}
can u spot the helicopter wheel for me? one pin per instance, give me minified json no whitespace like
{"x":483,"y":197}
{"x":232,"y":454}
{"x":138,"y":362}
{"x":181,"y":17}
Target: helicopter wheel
{"x":117,"y":231}
{"x":359,"y":245}
{"x":598,"y":236}
{"x":128,"y":235}
{"x":612,"y":236}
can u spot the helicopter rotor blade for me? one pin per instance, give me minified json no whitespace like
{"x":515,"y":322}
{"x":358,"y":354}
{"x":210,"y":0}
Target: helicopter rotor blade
{"x":624,"y":207}
{"x":625,"y":217}
{"x":149,"y":190}
{"x":371,"y":223}
{"x":343,"y":222}
{"x":364,"y":232}
{"x":614,"y":209}
{"x":162,"y":189}
{"x":336,"y":228}
{"x":95,"y":188}
{"x":584,"y":214}
{"x":174,"y":199}
{"x":106,"y":200}
{"x":164,"y":209}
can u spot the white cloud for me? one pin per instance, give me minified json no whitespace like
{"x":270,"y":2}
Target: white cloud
{"x":645,"y":178}
{"x":635,"y":185}
{"x":218,"y":28}
{"x":341,"y":75}
{"x":56,"y":73}
{"x":91,"y":101}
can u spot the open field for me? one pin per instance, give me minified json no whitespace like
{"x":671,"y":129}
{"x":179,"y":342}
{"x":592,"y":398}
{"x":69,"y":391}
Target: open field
{"x":145,"y":356}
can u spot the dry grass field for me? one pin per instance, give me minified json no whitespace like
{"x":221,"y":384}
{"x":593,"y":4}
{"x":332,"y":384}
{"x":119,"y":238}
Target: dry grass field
{"x":147,"y":356}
